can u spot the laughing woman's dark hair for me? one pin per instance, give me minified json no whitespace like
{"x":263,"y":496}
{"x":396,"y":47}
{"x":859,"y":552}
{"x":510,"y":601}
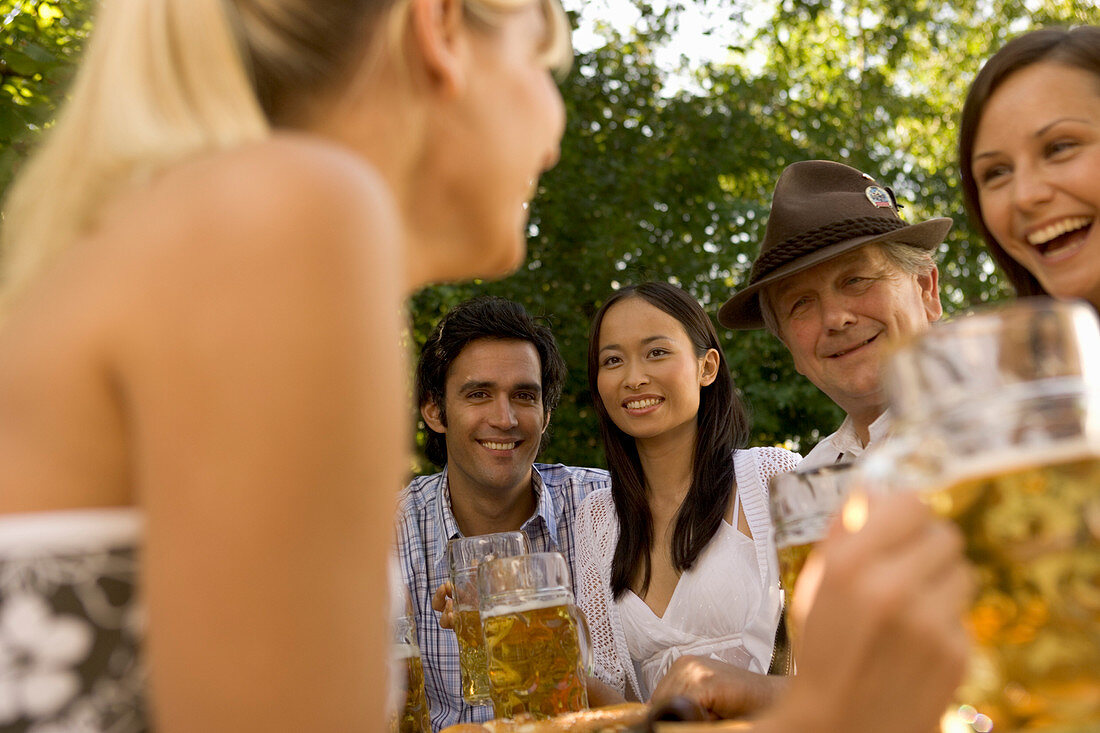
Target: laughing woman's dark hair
{"x":1077,"y":47}
{"x":723,"y":425}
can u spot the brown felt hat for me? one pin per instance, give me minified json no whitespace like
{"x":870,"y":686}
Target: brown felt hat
{"x":821,"y":210}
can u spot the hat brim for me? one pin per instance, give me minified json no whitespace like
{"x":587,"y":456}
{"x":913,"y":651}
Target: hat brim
{"x":742,"y":311}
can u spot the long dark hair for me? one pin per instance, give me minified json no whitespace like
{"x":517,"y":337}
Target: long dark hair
{"x":723,"y":425}
{"x":1078,"y":47}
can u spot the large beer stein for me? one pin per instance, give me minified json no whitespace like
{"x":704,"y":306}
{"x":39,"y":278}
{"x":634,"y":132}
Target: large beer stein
{"x":997,"y":425}
{"x":409,"y":709}
{"x":464,"y":554}
{"x":536,"y":640}
{"x":803,"y":504}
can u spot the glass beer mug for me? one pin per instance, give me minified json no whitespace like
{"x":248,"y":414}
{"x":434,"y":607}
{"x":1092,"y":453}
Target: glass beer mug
{"x":464,"y":555}
{"x":803,"y":504}
{"x":997,"y":425}
{"x":536,"y":640}
{"x":409,"y":708}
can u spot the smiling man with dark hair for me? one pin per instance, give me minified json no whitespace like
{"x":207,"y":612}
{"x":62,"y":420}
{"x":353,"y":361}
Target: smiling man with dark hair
{"x":487,"y":382}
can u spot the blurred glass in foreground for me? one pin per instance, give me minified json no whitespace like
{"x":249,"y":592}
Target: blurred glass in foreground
{"x":408,"y":703}
{"x":997,"y":425}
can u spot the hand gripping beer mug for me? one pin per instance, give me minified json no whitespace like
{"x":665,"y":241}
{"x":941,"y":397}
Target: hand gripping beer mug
{"x":997,"y":424}
{"x":803,"y":505}
{"x":464,"y":555}
{"x":536,"y":639}
{"x":410,"y":715}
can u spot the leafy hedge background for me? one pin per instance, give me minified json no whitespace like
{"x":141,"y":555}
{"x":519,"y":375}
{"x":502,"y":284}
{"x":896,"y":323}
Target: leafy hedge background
{"x":667,"y":167}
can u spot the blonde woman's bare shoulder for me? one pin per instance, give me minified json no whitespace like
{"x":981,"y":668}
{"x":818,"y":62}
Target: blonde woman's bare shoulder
{"x":284,"y":184}
{"x":282,"y":208}
{"x":235,"y":259}
{"x":288,"y":163}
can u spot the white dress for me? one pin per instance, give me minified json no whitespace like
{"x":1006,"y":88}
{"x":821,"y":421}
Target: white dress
{"x":726,"y":607}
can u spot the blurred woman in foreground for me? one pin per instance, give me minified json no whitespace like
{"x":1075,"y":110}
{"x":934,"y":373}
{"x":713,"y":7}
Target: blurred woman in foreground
{"x":202,"y":282}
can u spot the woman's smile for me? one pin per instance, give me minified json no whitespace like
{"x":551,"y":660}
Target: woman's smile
{"x":642,"y":405}
{"x":1061,"y":239}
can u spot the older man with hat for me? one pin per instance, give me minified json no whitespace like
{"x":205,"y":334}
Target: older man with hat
{"x":839,"y":278}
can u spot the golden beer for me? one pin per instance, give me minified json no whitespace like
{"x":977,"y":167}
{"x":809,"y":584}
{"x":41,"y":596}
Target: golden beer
{"x":414,"y":717}
{"x":471,"y":656}
{"x":791,"y":560}
{"x":1033,"y":535}
{"x":802,"y":505}
{"x":534,"y":659}
{"x":464,"y":555}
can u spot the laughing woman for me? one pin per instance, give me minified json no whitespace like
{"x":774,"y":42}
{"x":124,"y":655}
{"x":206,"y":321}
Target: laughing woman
{"x":1029,"y":152}
{"x":674,"y":557}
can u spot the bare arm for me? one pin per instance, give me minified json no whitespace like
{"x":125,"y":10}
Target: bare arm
{"x":263,"y":385}
{"x":721,"y":689}
{"x":601,"y":694}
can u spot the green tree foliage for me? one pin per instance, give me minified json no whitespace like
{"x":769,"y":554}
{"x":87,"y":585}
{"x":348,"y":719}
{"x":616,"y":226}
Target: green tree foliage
{"x":672,"y":182}
{"x":675,"y":186}
{"x":39,"y":43}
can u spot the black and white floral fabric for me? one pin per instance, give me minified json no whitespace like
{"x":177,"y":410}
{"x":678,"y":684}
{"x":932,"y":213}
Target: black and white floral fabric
{"x":71,"y":623}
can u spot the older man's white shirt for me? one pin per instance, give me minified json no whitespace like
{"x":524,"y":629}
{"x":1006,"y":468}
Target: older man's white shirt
{"x":844,"y":446}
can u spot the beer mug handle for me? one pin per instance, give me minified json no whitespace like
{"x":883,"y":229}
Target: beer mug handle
{"x":584,"y":637}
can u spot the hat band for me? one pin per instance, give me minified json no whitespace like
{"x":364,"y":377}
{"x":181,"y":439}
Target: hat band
{"x":792,"y":248}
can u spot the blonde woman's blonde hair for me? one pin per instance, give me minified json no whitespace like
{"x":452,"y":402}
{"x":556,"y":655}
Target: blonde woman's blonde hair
{"x":162,"y":80}
{"x":557,"y":51}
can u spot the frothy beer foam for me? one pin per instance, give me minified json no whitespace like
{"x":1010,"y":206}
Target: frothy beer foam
{"x":405,"y":651}
{"x":534,"y":604}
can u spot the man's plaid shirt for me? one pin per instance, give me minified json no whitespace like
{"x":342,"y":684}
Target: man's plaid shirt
{"x":424,"y":525}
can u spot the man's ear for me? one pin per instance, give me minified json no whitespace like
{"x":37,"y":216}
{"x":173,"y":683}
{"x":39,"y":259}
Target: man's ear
{"x":709,"y":368}
{"x":439,"y":35}
{"x":433,"y":416}
{"x":929,"y":284}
